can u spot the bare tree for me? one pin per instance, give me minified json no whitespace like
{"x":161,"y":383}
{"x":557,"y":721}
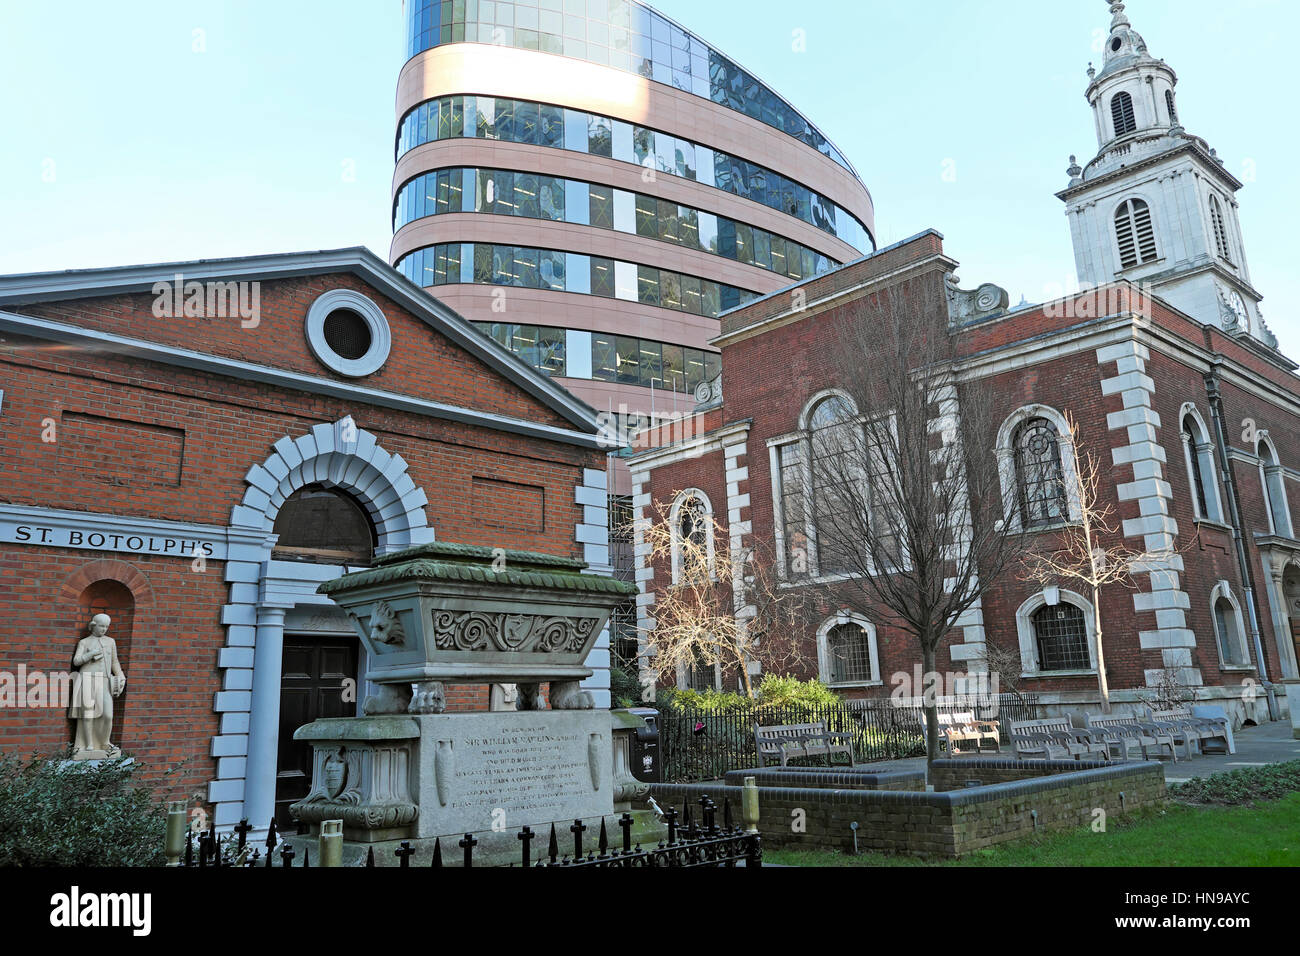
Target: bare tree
{"x":723,"y":605}
{"x":905,"y":501}
{"x":1005,"y":663}
{"x":1088,"y":553}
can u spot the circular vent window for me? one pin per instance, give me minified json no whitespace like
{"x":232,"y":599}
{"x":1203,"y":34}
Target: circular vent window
{"x":348,"y":333}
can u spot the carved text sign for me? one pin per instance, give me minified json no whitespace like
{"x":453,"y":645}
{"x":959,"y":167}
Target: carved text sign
{"x":93,"y":536}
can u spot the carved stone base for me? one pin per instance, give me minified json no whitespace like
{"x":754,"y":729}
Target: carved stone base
{"x":430,"y":697}
{"x":569,"y":695}
{"x":391,"y":699}
{"x":446,"y":775}
{"x":361,"y":774}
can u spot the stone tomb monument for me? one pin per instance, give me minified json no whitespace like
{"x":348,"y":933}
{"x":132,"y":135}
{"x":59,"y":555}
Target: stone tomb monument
{"x":445,"y":614}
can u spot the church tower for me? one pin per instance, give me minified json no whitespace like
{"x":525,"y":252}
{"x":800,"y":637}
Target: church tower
{"x":1156,"y":205}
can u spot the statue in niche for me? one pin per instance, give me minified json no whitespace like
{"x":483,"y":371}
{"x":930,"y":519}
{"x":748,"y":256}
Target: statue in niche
{"x":99,"y":679}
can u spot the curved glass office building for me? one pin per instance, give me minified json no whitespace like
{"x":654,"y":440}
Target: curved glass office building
{"x":594,"y":185}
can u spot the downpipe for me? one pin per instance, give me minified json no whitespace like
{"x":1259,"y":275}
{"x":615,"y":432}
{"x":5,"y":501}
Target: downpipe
{"x":1234,"y":516}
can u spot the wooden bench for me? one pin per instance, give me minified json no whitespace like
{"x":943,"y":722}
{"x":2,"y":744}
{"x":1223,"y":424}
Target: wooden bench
{"x":1214,"y":730}
{"x":963,"y":728}
{"x":1053,"y":738}
{"x":1117,"y":730}
{"x":801,"y":740}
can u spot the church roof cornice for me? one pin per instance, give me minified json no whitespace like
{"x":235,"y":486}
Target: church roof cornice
{"x":71,"y":284}
{"x":1189,"y":147}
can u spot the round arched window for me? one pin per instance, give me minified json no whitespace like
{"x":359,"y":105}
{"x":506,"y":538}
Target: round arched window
{"x":324,"y":526}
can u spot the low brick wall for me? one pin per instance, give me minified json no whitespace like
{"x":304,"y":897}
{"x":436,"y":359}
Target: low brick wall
{"x":817,"y":778}
{"x":936,"y":824}
{"x":956,"y":774}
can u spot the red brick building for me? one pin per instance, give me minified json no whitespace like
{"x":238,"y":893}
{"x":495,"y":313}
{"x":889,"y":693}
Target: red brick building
{"x":192,"y":448}
{"x":1164,"y":360}
{"x":1151,"y":389}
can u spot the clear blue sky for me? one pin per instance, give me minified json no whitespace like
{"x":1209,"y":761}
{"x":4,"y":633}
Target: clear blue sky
{"x":120,"y":143}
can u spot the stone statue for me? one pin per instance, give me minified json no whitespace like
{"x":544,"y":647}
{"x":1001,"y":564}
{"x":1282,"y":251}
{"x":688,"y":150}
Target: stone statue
{"x":99,"y":679}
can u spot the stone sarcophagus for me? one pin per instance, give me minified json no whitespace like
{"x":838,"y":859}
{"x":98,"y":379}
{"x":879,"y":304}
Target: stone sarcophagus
{"x":453,"y":614}
{"x":450,"y":613}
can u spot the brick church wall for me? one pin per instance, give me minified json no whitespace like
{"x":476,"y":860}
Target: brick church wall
{"x":90,"y":431}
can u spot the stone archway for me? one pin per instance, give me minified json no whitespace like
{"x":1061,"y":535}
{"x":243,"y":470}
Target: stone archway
{"x":338,"y":455}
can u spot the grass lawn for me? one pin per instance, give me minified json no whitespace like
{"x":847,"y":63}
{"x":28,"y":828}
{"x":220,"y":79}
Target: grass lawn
{"x":1265,"y":834}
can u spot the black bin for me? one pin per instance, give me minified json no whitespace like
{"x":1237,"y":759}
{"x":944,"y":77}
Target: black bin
{"x":647,"y":765}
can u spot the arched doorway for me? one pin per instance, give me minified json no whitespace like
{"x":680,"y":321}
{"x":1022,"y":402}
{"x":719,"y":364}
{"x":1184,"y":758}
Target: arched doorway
{"x":320,"y":661}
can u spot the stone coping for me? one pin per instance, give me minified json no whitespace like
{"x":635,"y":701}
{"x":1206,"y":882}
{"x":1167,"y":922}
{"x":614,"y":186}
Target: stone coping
{"x":469,"y":564}
{"x":946,"y":799}
{"x":1011,"y":763}
{"x":830,"y":777}
{"x":360,"y":728}
{"x":477,"y":554}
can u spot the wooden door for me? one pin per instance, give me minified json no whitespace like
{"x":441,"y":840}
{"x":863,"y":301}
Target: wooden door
{"x":317,"y":680}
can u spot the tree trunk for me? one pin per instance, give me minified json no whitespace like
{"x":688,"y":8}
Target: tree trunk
{"x":1102,"y":684}
{"x":931,"y":709}
{"x":744,"y":676}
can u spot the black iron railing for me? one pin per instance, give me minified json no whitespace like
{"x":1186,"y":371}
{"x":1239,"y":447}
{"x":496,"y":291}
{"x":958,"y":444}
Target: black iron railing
{"x":699,"y":745}
{"x":691,"y":843}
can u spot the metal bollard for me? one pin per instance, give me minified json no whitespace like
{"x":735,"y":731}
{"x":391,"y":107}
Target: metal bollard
{"x":331,"y":843}
{"x":177,"y":826}
{"x":749,"y":805}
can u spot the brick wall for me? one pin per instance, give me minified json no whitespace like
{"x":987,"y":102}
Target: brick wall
{"x":935,"y":824}
{"x":90,"y":431}
{"x":1065,"y":373}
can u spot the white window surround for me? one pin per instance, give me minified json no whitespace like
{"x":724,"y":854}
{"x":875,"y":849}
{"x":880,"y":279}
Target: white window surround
{"x":803,"y":439}
{"x":1204,"y":452}
{"x":1272,"y":480}
{"x":823,"y":649}
{"x":674,"y":519}
{"x":1224,"y":590}
{"x":1029,"y":638}
{"x":1156,"y":230}
{"x":381,"y":337}
{"x":1220,"y":240}
{"x":805,"y":416}
{"x":1006,"y":453}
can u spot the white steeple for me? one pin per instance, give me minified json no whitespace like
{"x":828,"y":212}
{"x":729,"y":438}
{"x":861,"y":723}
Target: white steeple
{"x":1156,"y":205}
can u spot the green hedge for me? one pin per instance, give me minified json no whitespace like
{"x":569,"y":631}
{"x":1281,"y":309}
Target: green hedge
{"x":54,"y":812}
{"x":783,"y":692}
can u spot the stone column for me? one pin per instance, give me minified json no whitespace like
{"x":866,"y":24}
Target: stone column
{"x":1279,"y":605}
{"x":1293,"y":701}
{"x":264,"y":726}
